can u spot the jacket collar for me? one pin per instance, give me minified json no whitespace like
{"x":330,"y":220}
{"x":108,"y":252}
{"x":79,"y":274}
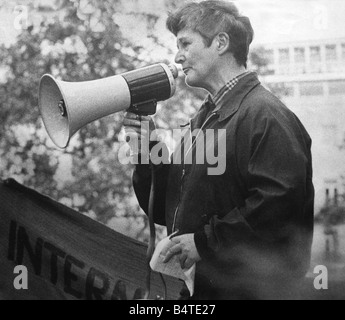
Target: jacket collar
{"x":229,"y":104}
{"x":233,"y":99}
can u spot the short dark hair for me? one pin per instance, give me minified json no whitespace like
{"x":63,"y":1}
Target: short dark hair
{"x":209,"y":18}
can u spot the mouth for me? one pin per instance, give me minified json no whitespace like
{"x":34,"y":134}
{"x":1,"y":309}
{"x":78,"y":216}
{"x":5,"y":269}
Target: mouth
{"x":185,"y":70}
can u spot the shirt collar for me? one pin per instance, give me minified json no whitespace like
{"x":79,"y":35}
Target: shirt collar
{"x":233,"y":99}
{"x":218,"y":98}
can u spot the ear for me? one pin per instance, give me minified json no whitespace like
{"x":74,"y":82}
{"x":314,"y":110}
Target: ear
{"x":222,"y":42}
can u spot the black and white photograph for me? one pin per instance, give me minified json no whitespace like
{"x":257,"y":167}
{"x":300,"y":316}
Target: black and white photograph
{"x":178,"y":151}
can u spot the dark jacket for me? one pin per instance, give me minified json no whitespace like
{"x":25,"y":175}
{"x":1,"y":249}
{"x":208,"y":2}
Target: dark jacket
{"x":253,"y":224}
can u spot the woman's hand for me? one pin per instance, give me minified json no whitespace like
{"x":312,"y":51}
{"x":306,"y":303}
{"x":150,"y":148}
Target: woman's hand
{"x":138,"y":128}
{"x":184,"y":246}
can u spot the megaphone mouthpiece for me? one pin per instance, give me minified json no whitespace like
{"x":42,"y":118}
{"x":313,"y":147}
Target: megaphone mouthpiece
{"x":173,"y":70}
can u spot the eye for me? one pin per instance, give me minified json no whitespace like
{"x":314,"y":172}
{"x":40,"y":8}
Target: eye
{"x":183,"y":44}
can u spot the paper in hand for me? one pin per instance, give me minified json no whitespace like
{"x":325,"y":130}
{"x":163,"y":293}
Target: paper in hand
{"x":173,"y":266}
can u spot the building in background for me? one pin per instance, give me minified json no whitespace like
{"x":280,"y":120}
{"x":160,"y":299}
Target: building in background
{"x":309,"y":76}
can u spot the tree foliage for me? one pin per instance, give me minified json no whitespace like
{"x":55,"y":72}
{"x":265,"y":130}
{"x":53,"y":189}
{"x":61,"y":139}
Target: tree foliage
{"x":77,"y":42}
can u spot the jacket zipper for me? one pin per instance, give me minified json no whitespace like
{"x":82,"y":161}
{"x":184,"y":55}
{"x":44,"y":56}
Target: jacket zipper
{"x":184,"y":170}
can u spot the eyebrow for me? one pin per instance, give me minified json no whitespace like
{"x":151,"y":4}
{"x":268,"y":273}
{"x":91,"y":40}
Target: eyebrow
{"x":181,"y":40}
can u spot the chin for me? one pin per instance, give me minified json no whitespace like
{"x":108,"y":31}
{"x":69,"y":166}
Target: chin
{"x":191,"y":82}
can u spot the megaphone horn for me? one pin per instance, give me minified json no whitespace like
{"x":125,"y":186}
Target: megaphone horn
{"x":66,"y":107}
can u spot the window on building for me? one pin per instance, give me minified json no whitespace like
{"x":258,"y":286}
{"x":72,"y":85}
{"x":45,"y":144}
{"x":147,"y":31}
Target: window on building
{"x":331,"y":58}
{"x":311,"y":88}
{"x":336,"y":87}
{"x":284,"y":61}
{"x":331,"y":53}
{"x":300,"y":60}
{"x":315,"y":54}
{"x":299,"y":55}
{"x":269,"y":55}
{"x":315,"y":59}
{"x":284,"y":57}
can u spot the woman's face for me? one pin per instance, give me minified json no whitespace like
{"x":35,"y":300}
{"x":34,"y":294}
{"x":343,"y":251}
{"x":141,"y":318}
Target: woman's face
{"x":197,"y":60}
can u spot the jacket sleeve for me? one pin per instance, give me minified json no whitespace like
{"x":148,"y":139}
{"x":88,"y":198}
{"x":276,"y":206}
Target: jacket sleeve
{"x":275,"y":220}
{"x":142,"y":177}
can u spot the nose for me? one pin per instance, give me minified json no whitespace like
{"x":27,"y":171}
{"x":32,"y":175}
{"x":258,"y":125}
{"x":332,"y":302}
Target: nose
{"x":179,"y":58}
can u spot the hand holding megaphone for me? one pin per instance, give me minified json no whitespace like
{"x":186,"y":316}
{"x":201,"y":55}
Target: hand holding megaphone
{"x":138,"y":128}
{"x":68,"y":106}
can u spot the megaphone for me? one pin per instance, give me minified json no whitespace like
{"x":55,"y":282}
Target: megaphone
{"x":66,"y":107}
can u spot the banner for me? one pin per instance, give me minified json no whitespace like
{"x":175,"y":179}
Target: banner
{"x":67,"y":255}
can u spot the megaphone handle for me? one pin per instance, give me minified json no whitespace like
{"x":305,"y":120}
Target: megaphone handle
{"x":146,"y":108}
{"x":152,"y":240}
